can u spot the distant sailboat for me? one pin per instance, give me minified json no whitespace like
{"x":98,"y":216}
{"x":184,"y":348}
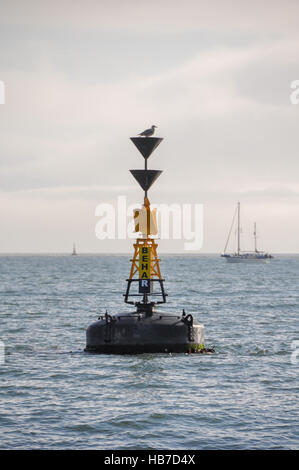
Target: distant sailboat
{"x":244,"y":256}
{"x":74,"y":253}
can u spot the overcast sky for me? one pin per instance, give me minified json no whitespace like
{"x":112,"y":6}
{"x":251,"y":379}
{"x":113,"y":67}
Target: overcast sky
{"x":81,"y":77}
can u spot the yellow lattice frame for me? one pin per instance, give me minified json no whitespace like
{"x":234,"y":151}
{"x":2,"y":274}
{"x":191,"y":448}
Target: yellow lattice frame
{"x":155,"y":267}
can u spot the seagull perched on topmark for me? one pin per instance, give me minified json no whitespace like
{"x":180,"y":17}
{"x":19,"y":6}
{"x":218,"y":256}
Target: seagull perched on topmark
{"x":148,"y":132}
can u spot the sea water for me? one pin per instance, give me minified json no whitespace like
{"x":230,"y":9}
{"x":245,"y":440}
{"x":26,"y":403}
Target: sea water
{"x":53,"y":395}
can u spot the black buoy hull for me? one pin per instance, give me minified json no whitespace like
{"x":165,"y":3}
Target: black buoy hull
{"x":136,"y":334}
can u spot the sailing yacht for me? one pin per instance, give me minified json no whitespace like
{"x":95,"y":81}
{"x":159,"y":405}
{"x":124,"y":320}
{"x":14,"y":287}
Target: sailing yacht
{"x":241,"y":256}
{"x":74,"y":252}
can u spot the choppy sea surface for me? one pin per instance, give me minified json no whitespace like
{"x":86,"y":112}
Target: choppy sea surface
{"x":55,"y":396}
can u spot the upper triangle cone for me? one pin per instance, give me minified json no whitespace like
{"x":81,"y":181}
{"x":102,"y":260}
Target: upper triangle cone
{"x":146,"y":145}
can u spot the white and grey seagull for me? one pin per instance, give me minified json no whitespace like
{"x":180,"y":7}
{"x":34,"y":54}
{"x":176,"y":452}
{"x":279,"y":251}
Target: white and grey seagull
{"x":148,"y":132}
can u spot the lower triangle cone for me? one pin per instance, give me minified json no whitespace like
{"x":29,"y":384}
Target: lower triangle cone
{"x":146,"y":177}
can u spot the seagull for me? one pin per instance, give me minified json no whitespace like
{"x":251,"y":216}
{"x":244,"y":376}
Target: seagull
{"x":148,"y":132}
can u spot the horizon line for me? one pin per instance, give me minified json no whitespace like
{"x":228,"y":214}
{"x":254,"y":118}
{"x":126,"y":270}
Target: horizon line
{"x":125,"y":253}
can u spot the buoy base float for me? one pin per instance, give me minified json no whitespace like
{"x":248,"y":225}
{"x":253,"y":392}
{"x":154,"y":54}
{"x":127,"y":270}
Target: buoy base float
{"x":135,"y":333}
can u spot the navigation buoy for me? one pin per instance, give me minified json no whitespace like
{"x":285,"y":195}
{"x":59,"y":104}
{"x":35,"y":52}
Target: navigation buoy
{"x":145,"y":330}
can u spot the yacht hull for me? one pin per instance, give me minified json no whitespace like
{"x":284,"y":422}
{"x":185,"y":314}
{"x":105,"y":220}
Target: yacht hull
{"x":247,"y":260}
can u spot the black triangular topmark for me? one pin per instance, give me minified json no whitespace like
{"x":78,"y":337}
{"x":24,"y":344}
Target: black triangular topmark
{"x":146,"y":145}
{"x":146,"y":177}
